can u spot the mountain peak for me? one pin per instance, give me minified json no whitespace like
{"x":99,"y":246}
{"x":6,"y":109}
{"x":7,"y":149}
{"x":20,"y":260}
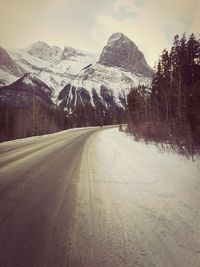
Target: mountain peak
{"x":122,"y":52}
{"x":117,"y":36}
{"x":43,"y":51}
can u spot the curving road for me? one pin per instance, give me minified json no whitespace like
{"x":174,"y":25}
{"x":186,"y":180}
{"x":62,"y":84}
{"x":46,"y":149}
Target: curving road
{"x":37,"y":189}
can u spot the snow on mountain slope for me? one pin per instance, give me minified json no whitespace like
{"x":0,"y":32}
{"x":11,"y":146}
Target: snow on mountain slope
{"x":74,"y":64}
{"x":113,"y":78}
{"x":55,"y":74}
{"x":65,"y":71}
{"x":29,"y":62}
{"x":67,"y":65}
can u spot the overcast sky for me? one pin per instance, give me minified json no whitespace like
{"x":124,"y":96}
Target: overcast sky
{"x":87,"y":24}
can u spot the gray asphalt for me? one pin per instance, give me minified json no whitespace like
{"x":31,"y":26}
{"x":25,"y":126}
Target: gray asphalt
{"x":37,"y":189}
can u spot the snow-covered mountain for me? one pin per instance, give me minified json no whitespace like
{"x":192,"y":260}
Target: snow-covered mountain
{"x":77,"y":78}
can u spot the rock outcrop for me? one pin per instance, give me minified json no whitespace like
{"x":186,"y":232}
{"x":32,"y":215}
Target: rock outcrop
{"x":121,"y":52}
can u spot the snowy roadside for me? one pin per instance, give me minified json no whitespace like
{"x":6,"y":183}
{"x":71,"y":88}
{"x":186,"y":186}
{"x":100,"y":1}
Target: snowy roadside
{"x":121,"y":151}
{"x":159,"y":192}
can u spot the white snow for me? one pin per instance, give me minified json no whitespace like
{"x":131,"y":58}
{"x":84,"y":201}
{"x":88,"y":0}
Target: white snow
{"x":156,"y":194}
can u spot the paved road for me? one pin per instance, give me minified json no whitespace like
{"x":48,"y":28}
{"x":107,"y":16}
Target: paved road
{"x":38,"y":182}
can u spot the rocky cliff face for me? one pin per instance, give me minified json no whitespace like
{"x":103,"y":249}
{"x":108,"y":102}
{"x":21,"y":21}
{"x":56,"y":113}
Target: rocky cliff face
{"x":121,"y":52}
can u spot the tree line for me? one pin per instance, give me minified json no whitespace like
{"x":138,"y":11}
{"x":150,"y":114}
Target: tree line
{"x":169,"y":112}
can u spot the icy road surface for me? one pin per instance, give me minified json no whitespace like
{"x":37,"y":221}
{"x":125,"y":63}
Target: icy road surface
{"x":96,"y":198}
